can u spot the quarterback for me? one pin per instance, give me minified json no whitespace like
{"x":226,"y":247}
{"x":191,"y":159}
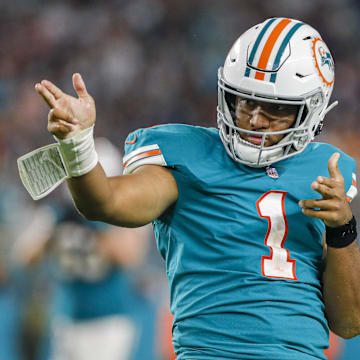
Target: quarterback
{"x":253,"y":218}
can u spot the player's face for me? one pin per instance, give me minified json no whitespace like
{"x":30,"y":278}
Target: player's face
{"x":264,"y":117}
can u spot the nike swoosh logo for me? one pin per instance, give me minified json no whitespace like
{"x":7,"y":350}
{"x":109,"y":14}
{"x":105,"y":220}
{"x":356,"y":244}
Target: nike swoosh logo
{"x":133,"y":141}
{"x":302,"y":75}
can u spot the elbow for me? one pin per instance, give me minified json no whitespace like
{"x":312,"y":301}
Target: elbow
{"x":91,"y":216}
{"x":344,"y":318}
{"x":347,"y":331}
{"x":88,"y":214}
{"x":98,"y":213}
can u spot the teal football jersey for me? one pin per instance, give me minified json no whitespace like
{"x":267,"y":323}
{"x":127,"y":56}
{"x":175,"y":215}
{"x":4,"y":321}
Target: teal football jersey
{"x":243,"y":262}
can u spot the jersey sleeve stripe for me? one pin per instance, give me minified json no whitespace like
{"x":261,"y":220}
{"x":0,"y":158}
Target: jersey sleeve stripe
{"x":144,"y":155}
{"x":139,"y":150}
{"x":145,"y":160}
{"x":141,"y":156}
{"x":352,"y":192}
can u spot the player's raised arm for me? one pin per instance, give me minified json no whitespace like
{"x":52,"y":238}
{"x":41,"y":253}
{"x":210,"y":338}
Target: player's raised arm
{"x":131,"y":200}
{"x":341,"y":286}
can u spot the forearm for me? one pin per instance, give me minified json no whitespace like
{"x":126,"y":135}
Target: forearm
{"x":91,"y":193}
{"x":341,"y":290}
{"x":128,"y":201}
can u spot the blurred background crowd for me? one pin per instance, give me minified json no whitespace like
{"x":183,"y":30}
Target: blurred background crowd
{"x":145,"y":62}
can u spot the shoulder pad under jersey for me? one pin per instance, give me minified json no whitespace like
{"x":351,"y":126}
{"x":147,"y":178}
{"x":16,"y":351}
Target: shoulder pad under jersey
{"x":169,"y":145}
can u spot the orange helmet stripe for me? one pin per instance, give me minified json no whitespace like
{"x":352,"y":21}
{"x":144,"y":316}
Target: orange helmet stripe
{"x":269,"y":45}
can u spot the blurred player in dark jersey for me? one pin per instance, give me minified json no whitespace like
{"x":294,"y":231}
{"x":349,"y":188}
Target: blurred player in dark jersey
{"x":97,"y":310}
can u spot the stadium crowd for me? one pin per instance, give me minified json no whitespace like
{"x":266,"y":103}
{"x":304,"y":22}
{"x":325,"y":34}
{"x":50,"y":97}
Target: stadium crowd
{"x":145,"y":62}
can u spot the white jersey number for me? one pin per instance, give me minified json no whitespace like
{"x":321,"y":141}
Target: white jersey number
{"x":278,"y":264}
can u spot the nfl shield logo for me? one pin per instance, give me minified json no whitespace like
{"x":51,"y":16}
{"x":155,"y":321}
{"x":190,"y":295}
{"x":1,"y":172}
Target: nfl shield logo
{"x":271,"y":171}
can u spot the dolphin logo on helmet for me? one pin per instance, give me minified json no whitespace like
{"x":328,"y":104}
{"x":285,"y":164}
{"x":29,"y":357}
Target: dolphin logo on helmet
{"x":326,"y":58}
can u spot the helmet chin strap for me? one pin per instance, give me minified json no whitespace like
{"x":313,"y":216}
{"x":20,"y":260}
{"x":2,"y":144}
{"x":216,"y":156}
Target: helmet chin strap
{"x":321,"y":117}
{"x":252,"y":154}
{"x":327,"y":109}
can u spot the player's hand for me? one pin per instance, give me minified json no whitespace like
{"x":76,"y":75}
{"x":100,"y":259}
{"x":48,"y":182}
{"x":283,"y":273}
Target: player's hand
{"x":68,"y":115}
{"x":333,"y":208}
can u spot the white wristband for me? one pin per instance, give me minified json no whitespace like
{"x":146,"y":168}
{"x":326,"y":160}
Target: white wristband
{"x":78,"y":152}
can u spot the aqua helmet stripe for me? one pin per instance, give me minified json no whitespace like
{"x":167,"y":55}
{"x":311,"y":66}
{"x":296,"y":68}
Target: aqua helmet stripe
{"x":282,"y":49}
{"x":256,"y":45}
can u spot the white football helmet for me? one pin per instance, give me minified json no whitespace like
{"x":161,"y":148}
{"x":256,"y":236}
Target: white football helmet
{"x":280,"y":61}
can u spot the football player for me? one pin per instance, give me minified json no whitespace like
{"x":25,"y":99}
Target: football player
{"x":253,"y":219}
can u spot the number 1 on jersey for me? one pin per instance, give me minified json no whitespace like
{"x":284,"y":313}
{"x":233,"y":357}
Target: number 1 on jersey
{"x":278,"y":264}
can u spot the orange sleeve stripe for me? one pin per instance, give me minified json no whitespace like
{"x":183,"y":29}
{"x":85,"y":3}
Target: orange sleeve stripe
{"x":269,"y":45}
{"x":354,"y":182}
{"x":349,"y":199}
{"x":143,"y":155}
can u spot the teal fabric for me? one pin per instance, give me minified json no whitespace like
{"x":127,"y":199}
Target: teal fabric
{"x":10,"y":322}
{"x":351,"y":349}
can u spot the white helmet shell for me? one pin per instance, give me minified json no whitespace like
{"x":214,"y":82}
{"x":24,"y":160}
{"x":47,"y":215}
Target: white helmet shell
{"x":280,"y":61}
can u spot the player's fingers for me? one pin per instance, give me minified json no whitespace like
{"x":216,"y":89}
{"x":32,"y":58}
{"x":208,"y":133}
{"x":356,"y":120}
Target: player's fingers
{"x":69,"y":126}
{"x":319,"y":214}
{"x":318,"y":204}
{"x":79,"y":86}
{"x":57,"y":113}
{"x":46,"y":95}
{"x":59,"y":127}
{"x":55,"y":91}
{"x":329,"y":217}
{"x":326,"y":181}
{"x":333,"y":168}
{"x":323,"y":190}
